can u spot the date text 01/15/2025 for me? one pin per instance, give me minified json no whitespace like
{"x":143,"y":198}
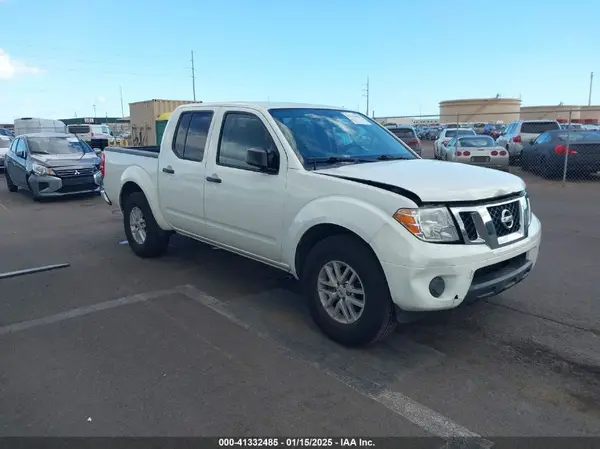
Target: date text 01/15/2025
{"x":295,"y":442}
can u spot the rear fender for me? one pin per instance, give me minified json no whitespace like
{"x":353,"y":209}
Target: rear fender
{"x":143,"y":180}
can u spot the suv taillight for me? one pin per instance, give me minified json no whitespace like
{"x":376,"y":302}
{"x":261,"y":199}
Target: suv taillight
{"x":103,"y":164}
{"x":517,"y":139}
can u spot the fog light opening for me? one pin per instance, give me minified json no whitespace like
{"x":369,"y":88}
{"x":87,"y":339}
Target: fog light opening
{"x":437,"y":287}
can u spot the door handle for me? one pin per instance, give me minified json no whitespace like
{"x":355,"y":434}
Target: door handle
{"x":214,"y":178}
{"x":168,"y":170}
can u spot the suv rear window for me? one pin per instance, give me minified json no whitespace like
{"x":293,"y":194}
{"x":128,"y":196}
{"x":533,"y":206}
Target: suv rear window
{"x":538,"y":127}
{"x":404,"y":133}
{"x":78,"y":129}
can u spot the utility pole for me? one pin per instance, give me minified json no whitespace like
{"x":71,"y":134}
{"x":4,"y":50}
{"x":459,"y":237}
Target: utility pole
{"x":121,"y":94}
{"x":193,"y":76}
{"x":94,"y":110}
{"x":590,"y":96}
{"x":366,"y":90}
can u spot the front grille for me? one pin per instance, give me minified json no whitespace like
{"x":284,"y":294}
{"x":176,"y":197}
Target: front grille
{"x":78,"y":180}
{"x":504,"y":227}
{"x":469,"y":223}
{"x":77,"y":188}
{"x":68,"y":172}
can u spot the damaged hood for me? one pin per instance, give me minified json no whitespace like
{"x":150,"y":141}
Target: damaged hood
{"x":434,"y":181}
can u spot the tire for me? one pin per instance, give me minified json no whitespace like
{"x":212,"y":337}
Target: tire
{"x":9,"y":184}
{"x":377,"y":319}
{"x":155,"y":242}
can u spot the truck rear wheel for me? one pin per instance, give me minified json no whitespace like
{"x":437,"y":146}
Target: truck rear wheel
{"x":145,"y":237}
{"x":348,"y":295}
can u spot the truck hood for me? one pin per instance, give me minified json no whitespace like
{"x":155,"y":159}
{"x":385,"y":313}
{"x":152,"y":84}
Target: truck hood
{"x":66,"y":160}
{"x":434,"y":181}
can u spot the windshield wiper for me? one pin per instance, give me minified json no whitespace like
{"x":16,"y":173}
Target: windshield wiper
{"x":393,"y":157}
{"x":336,"y":159}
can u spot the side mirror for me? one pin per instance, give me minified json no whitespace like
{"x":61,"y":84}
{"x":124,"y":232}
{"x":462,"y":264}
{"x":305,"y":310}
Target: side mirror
{"x":20,"y":153}
{"x":258,"y":157}
{"x":98,"y":151}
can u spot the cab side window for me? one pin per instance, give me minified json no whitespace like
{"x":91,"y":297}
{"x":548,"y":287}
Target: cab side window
{"x":241,"y":131}
{"x":191,"y":134}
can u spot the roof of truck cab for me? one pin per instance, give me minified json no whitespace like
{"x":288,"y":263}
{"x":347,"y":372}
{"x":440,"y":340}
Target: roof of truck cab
{"x":264,"y":105}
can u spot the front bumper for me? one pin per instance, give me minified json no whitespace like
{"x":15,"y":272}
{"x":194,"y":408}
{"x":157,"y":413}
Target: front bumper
{"x":469,"y":271}
{"x":53,"y":186}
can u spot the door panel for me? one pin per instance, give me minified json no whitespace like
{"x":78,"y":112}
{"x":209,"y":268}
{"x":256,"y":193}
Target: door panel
{"x":181,"y":172}
{"x":17,"y":169}
{"x":244,"y":207}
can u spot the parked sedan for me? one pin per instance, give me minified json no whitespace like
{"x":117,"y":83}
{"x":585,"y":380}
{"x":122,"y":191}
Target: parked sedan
{"x":546,"y":154}
{"x":476,"y":150}
{"x":52,"y":164}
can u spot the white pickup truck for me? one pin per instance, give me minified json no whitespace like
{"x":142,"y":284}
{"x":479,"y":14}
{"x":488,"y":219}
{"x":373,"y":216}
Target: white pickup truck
{"x":370,"y":229}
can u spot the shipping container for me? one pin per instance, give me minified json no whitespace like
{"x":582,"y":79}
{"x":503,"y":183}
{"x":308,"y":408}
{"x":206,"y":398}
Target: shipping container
{"x":143,"y":116}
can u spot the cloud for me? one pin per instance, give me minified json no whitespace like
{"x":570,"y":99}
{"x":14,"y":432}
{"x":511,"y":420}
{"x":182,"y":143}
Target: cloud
{"x":10,"y":68}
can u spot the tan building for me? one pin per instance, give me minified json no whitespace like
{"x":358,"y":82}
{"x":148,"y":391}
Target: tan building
{"x":143,"y":117}
{"x":480,"y":110}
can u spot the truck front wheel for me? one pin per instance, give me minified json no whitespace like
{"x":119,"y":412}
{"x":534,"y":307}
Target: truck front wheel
{"x":348,"y":295}
{"x":145,"y":237}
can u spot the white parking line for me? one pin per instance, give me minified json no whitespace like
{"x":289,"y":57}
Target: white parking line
{"x":81,"y":311}
{"x":427,"y":419}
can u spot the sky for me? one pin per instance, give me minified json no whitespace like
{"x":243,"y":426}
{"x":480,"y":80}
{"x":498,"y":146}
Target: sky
{"x":60,"y":58}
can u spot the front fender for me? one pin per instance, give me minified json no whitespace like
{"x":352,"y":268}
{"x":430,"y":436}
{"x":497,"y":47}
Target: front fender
{"x":358,"y":216}
{"x":144,"y":181}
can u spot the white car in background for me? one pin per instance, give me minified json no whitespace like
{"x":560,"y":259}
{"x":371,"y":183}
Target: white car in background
{"x":446,"y":135}
{"x":476,"y":150}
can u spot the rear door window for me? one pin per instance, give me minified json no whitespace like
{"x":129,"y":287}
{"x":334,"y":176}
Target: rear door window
{"x":196,"y":135}
{"x":538,"y":127}
{"x":191,"y":135}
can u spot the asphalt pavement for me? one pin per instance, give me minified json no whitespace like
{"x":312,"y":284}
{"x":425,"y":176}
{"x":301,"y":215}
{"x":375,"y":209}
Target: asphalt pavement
{"x":203,"y":342}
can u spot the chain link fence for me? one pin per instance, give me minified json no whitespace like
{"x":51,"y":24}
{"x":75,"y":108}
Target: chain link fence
{"x":559,"y":145}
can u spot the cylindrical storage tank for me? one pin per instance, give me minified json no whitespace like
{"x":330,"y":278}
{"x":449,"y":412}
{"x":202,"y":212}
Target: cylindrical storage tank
{"x":480,"y":110}
{"x":558,"y":112}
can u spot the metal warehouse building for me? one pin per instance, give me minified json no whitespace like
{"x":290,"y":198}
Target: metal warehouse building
{"x":482,"y":110}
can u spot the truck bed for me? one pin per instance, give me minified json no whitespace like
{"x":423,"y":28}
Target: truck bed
{"x":139,"y":162}
{"x":147,"y":151}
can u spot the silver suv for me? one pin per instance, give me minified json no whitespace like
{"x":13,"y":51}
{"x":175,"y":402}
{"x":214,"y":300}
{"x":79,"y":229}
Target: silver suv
{"x":520,"y":133}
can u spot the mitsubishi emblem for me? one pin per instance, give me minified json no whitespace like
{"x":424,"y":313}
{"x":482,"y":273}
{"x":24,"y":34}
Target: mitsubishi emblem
{"x":76,"y":172}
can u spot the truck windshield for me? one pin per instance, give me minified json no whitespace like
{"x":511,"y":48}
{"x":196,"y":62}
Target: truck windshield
{"x":328,"y":134}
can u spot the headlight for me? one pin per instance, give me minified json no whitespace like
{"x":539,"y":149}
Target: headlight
{"x":431,"y":224}
{"x":528,"y":213}
{"x":40,"y":170}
